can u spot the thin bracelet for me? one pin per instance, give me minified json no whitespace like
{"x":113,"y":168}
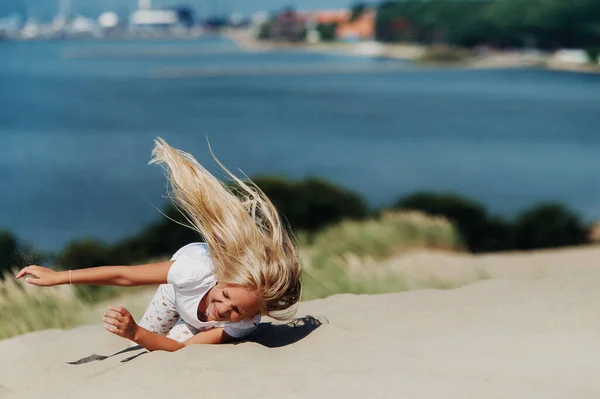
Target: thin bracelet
{"x":70,"y":273}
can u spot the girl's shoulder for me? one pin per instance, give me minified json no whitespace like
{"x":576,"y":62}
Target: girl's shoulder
{"x":193,"y":266}
{"x":194,"y":249}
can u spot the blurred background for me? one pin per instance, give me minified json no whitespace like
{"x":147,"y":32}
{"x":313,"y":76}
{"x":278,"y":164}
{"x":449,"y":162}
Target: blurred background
{"x":485,"y":113}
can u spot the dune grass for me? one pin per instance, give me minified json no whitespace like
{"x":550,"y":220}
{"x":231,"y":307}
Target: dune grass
{"x":379,"y":238}
{"x":344,"y":258}
{"x":25,"y":308}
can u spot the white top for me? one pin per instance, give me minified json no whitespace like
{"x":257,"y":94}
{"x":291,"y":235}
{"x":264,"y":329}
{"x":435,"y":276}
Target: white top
{"x":191,"y":276}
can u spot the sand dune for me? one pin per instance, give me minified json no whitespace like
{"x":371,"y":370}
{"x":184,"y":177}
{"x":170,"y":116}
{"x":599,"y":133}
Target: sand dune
{"x":532,"y":330}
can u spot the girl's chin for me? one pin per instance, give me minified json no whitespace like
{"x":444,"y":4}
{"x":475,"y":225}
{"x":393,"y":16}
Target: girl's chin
{"x":207,"y":315}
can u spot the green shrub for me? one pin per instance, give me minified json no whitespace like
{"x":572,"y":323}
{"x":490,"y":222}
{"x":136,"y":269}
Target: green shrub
{"x":84,"y":253}
{"x":88,"y":253}
{"x":161,"y":238}
{"x":327,"y":32}
{"x":470,"y":217}
{"x":312,"y":203}
{"x":8,"y":251}
{"x":265,"y":30}
{"x":593,"y":54}
{"x":444,"y":55}
{"x":496,"y":234}
{"x":15,"y":255}
{"x":357,"y":10}
{"x":549,"y":225}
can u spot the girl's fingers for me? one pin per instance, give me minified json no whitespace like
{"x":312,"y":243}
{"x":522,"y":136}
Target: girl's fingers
{"x":113,"y":315}
{"x":112,"y":322}
{"x":119,"y":309}
{"x":116,"y":320}
{"x":26,"y":270}
{"x":110,"y":329}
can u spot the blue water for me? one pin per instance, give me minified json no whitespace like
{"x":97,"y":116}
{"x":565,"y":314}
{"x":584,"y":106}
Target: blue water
{"x":45,"y":10}
{"x":76,"y":133}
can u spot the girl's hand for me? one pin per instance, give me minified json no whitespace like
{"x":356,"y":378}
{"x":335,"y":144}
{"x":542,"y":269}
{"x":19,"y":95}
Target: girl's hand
{"x":45,"y":276}
{"x":120,"y":322}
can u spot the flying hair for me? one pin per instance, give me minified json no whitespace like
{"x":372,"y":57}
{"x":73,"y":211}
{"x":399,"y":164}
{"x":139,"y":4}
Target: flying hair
{"x":249,"y":245}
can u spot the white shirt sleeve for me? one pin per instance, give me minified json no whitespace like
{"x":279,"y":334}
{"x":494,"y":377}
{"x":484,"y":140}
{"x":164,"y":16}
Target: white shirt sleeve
{"x":192,"y":266}
{"x":243,"y":328}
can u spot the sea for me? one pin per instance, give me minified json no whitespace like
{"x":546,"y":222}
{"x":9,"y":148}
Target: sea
{"x":78,"y":119}
{"x":45,"y":10}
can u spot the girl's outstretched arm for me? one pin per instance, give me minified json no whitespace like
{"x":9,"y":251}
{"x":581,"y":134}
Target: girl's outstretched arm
{"x":119,"y":321}
{"x":124,"y":276}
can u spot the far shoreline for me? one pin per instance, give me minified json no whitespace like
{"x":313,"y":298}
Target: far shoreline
{"x":245,"y":40}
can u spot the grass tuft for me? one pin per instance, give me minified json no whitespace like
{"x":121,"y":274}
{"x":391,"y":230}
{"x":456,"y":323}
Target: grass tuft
{"x":25,"y":308}
{"x":344,"y":258}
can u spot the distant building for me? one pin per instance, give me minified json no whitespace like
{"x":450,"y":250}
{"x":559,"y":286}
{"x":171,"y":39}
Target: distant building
{"x":154,"y":18}
{"x":108,"y":23}
{"x":330,"y":16}
{"x":290,"y":25}
{"x":362,"y":28}
{"x":294,"y":25}
{"x":81,"y":26}
{"x":108,"y":20}
{"x":571,"y":56}
{"x":147,"y":17}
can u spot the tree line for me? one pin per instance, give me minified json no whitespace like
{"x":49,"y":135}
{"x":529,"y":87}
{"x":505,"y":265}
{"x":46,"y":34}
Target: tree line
{"x":311,"y":204}
{"x":545,"y":24}
{"x":540,"y":24}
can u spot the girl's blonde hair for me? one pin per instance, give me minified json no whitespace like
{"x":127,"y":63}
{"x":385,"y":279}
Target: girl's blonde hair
{"x":248,"y":243}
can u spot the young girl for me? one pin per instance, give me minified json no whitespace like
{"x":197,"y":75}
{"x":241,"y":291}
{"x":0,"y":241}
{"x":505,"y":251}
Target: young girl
{"x":210,"y":293}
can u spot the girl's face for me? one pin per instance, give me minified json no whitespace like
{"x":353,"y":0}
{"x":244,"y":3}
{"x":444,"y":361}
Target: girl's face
{"x":227,"y":302}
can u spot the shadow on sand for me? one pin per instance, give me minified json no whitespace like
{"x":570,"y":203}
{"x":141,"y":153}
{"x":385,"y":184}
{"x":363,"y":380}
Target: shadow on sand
{"x":267,"y":334}
{"x":94,"y":357}
{"x":278,"y":335}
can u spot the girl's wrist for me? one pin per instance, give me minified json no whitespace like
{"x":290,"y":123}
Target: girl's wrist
{"x":138,"y":333}
{"x":65,"y":277}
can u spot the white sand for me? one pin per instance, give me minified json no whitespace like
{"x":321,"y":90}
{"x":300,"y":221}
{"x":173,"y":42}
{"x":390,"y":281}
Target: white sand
{"x":531,"y":331}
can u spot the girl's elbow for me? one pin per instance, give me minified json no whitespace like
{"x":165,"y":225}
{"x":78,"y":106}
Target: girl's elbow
{"x":125,"y":278}
{"x":122,"y":281}
{"x":180,"y":345}
{"x":175,"y":349}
